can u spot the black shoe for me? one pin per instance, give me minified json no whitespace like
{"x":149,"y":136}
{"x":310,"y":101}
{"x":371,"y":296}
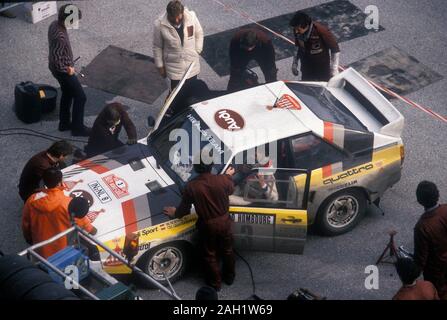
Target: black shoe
{"x":228,"y":280}
{"x":84,"y":132}
{"x":64,"y":126}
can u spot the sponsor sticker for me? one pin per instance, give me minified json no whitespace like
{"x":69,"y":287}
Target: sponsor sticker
{"x":288,"y":102}
{"x":229,"y":120}
{"x":118,"y":185}
{"x":148,"y":231}
{"x":253,"y":218}
{"x":69,"y":185}
{"x":111,"y":261}
{"x":99,"y":192}
{"x":92,"y":215}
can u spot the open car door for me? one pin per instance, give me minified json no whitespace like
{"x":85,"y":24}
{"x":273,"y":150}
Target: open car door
{"x":273,"y":218}
{"x":170,"y":99}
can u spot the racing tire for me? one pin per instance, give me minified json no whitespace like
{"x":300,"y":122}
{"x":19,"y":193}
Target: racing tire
{"x":341,"y":212}
{"x":168,"y":259}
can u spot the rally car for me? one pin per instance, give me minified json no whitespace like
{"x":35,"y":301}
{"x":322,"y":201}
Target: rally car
{"x":304,"y":152}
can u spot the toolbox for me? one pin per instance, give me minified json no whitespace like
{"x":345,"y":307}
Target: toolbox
{"x":69,"y":256}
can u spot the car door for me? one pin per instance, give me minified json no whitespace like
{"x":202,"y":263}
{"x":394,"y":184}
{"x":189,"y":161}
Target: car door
{"x":272,"y":223}
{"x":155,"y":123}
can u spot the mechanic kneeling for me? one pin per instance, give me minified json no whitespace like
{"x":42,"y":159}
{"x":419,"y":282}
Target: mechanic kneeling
{"x":106,"y":130}
{"x":210,"y":195}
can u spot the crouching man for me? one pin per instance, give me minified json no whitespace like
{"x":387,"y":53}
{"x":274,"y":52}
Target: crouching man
{"x":106,"y":129}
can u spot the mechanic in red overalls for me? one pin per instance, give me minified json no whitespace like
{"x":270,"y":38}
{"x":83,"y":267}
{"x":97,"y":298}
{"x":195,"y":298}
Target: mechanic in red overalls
{"x":314,"y":42}
{"x":210,"y":195}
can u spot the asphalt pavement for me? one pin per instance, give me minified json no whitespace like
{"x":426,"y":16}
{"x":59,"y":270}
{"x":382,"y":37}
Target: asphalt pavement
{"x":332,"y":267}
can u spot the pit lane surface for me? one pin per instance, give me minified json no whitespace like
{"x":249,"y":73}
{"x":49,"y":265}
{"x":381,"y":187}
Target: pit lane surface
{"x":333,"y":267}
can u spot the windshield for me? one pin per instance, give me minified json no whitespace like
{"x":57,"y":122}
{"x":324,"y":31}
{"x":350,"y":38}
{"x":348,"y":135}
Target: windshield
{"x":326,"y":106}
{"x":179,"y":143}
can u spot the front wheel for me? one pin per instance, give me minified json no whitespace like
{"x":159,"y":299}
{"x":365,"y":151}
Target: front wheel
{"x":341,"y":212}
{"x":168,"y":260}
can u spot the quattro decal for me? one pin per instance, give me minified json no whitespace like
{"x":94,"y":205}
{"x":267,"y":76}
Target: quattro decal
{"x":349,"y":173}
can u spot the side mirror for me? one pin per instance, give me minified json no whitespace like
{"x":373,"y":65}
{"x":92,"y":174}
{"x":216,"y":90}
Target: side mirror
{"x":150,"y":121}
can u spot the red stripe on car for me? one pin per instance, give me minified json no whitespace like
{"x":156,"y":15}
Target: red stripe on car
{"x":329,"y":131}
{"x":87,"y":164}
{"x":129,"y":215}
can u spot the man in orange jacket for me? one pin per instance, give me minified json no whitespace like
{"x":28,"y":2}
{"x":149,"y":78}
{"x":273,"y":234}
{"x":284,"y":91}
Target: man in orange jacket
{"x":46,"y":214}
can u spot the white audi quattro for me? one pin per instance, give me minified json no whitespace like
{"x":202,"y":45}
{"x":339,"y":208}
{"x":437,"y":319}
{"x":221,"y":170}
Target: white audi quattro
{"x":304,"y":152}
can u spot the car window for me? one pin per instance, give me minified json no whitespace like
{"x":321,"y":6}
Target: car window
{"x":258,"y":182}
{"x":325,"y":105}
{"x":178,"y":144}
{"x":312,"y":152}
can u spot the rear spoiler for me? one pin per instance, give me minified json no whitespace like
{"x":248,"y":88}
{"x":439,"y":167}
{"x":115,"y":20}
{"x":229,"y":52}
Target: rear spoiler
{"x":354,"y":84}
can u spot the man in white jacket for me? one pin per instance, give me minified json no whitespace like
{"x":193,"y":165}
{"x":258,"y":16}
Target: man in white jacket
{"x":178,"y":41}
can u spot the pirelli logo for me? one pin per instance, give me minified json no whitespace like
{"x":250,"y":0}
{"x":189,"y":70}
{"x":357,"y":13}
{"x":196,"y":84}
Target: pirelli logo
{"x":253,"y":218}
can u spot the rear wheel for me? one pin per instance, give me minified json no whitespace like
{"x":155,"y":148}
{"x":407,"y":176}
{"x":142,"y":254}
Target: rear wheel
{"x":168,"y":260}
{"x":341,"y":212}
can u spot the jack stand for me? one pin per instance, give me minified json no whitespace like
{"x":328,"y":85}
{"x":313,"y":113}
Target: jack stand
{"x":392,"y":250}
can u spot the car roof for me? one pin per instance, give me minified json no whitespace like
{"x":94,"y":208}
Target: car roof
{"x":261,"y":125}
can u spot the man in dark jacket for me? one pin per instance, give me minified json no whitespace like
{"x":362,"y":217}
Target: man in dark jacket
{"x":61,"y":65}
{"x":210,"y":195}
{"x":246,"y":45}
{"x":318,"y":49}
{"x":106,"y":130}
{"x":53,"y":157}
{"x":430,"y":237}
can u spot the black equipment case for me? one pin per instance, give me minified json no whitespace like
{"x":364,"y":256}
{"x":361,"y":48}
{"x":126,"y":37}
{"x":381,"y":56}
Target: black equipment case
{"x":31,"y":100}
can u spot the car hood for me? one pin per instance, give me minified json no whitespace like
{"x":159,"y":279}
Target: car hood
{"x":125,"y":189}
